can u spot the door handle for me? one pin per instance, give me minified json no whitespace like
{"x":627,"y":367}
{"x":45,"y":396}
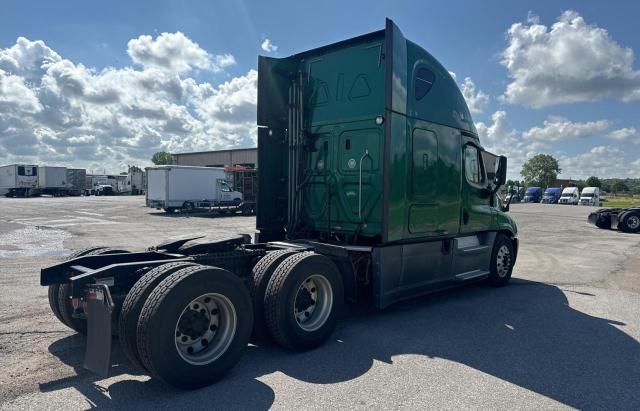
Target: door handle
{"x":465,"y":216}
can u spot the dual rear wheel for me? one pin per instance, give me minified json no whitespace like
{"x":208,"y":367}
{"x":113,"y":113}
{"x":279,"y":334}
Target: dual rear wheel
{"x":188,"y":324}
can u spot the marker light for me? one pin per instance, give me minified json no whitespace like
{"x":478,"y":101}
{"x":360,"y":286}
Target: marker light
{"x":379,"y":120}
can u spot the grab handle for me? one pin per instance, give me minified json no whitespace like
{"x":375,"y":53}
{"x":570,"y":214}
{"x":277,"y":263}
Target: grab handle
{"x":366,"y":154}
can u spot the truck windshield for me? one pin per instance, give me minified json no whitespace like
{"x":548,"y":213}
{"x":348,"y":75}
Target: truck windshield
{"x":587,"y":194}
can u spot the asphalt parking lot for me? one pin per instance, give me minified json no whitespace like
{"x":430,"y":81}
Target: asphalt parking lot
{"x":564,"y":334}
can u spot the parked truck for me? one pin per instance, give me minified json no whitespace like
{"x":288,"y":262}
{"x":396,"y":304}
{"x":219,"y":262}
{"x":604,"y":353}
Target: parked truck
{"x":532,"y":195}
{"x":372,"y":188}
{"x":570,"y":195}
{"x":590,"y":196}
{"x":134,"y":182}
{"x":18,"y":180}
{"x":188,"y":188}
{"x":551,"y":195}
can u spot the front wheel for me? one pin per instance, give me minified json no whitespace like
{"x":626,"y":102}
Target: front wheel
{"x":303,"y":301}
{"x":195,"y":326}
{"x":502,"y":261}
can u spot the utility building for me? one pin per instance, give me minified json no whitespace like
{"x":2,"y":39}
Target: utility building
{"x":246,"y":157}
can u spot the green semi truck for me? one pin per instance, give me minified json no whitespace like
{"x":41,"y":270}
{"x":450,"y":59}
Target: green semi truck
{"x":373,"y":188}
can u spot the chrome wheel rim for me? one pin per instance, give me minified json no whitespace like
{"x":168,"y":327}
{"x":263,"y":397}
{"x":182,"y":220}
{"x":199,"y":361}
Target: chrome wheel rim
{"x":205,"y":329}
{"x":503,"y":261}
{"x":313,"y":303}
{"x":633,"y":222}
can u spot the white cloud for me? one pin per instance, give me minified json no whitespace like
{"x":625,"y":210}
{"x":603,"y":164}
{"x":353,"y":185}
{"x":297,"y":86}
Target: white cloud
{"x":268,"y":46}
{"x":500,"y":137}
{"x":602,"y":161}
{"x":477,"y":100}
{"x":453,"y":75}
{"x":569,"y":62}
{"x":627,"y":134}
{"x":559,"y":128}
{"x":55,"y":111}
{"x":175,"y":52}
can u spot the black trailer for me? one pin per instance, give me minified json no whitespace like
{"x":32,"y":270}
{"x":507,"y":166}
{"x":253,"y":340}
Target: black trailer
{"x":623,"y":219}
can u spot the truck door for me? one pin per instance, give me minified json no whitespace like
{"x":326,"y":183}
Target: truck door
{"x":424,"y":210}
{"x":476,"y":214}
{"x":224,"y":191}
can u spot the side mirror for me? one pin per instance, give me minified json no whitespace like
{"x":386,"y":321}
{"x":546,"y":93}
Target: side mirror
{"x":501,"y":172}
{"x":505,"y":208}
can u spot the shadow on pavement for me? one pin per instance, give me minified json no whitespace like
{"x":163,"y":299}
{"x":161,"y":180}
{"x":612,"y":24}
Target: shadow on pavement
{"x":525,"y":334}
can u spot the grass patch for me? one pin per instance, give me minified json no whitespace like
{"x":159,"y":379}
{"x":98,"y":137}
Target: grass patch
{"x":621,"y":202}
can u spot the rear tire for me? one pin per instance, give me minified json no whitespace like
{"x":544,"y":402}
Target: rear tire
{"x":65,"y":306}
{"x":260,"y":276}
{"x":133,"y":304}
{"x":54,"y":289}
{"x":53,"y":301}
{"x":629,"y":221}
{"x":195,"y":326}
{"x":303,"y":301}
{"x":502,"y":261}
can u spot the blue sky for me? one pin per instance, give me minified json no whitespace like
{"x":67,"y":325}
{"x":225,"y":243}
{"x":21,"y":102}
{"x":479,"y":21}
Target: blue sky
{"x":592,"y":131}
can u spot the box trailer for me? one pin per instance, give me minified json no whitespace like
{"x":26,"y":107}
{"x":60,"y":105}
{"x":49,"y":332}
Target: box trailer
{"x":372,"y":187}
{"x":76,"y":181}
{"x":188,"y":188}
{"x":18,"y":180}
{"x":52,"y":180}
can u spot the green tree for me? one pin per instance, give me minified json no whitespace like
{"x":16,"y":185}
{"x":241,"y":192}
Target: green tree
{"x":541,"y":170}
{"x":619,"y":187}
{"x":581,"y":184}
{"x":594,"y":182}
{"x":161,"y":158}
{"x":134,"y":169}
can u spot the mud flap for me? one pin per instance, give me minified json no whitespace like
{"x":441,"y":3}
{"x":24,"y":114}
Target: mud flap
{"x":99,"y":309}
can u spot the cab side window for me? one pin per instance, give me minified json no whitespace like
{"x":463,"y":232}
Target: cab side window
{"x":473,"y":167}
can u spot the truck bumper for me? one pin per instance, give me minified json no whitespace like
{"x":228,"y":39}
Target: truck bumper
{"x":99,"y":311}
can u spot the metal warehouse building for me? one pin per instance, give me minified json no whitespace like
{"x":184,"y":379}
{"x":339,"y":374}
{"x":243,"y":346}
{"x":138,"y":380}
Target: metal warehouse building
{"x":247,"y":157}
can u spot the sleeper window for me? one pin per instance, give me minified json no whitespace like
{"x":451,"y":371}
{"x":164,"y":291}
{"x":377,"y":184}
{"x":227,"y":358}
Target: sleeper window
{"x":423,"y":82}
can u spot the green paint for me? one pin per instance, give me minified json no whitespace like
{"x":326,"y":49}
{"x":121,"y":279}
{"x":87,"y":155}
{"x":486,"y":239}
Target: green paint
{"x":343,"y":179}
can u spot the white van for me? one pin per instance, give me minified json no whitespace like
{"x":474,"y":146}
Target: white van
{"x":570,"y":195}
{"x":590,"y":196}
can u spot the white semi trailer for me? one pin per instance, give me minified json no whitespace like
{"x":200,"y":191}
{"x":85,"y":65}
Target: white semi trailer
{"x":18,"y":180}
{"x":52,"y":180}
{"x":186,"y":188}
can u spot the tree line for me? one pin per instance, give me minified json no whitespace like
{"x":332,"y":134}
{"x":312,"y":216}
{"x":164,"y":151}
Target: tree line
{"x":542,"y":170}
